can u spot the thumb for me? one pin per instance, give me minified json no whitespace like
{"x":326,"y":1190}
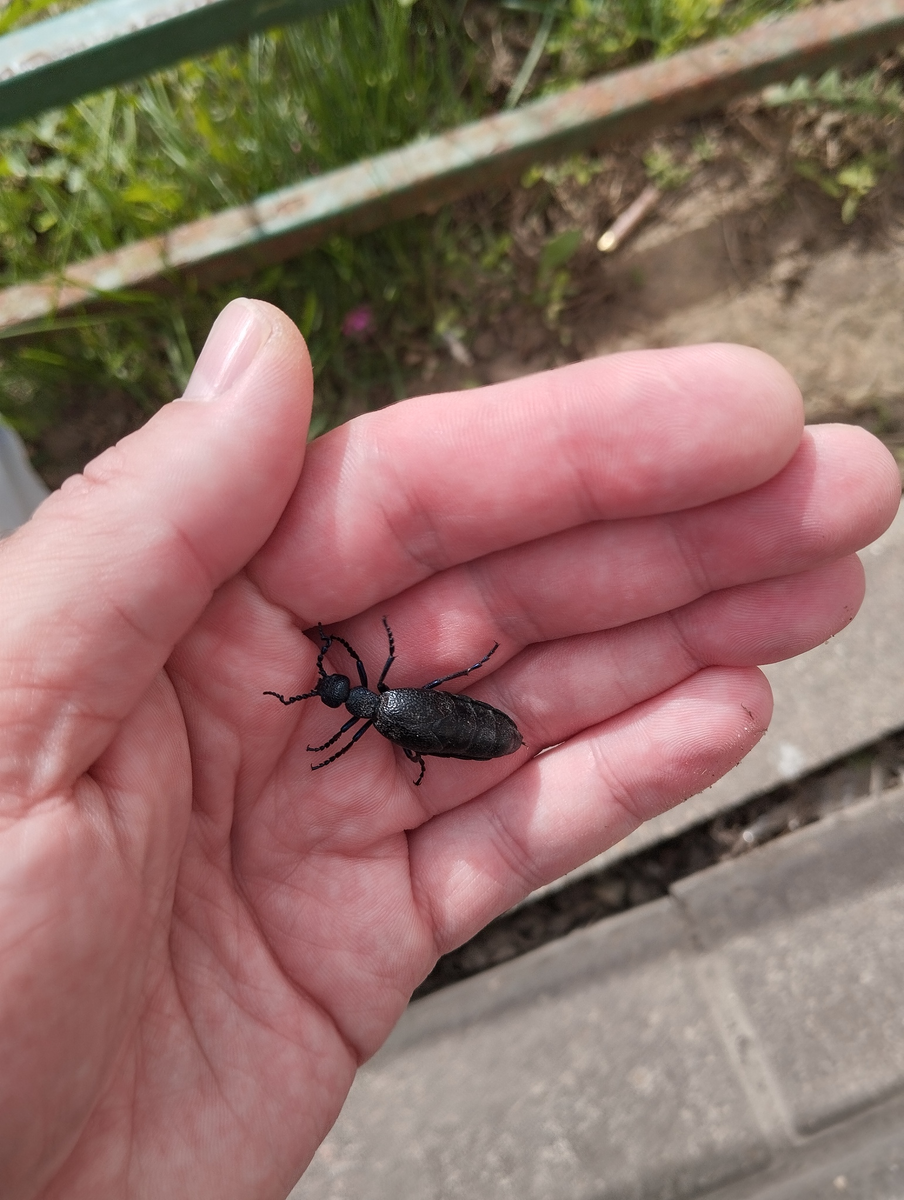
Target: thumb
{"x":114,"y":568}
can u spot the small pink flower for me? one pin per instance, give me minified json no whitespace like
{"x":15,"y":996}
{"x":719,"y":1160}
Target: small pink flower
{"x":359,"y":323}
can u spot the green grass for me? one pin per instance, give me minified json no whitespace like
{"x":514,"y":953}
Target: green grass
{"x":212,"y":133}
{"x":594,"y":35}
{"x":249,"y":118}
{"x":219,"y":131}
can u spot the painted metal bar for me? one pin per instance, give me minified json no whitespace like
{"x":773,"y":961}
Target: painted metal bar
{"x":109,"y":41}
{"x":428,"y":173}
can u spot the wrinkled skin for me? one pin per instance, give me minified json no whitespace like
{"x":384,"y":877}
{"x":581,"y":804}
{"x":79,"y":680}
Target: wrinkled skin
{"x":201,"y":939}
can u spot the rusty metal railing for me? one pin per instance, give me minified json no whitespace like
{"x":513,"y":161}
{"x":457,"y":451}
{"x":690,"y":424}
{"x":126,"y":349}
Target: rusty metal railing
{"x":435,"y":170}
{"x":109,"y":41}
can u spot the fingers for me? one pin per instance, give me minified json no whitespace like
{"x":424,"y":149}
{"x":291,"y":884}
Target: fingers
{"x":838,"y":493}
{"x":560,"y":688}
{"x":394,"y":496}
{"x":555,"y":690}
{"x":565,"y":806}
{"x":640,"y":720}
{"x":116,"y":566}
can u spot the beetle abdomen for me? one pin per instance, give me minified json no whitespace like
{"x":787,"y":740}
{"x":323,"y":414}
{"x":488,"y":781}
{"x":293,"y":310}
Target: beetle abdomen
{"x":445,"y":725}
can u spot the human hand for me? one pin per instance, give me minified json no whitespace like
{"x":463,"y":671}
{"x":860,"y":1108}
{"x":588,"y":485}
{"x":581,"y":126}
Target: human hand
{"x":200,"y":938}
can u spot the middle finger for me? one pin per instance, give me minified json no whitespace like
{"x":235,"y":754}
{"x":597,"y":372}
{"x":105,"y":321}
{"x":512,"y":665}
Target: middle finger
{"x":828,"y":502}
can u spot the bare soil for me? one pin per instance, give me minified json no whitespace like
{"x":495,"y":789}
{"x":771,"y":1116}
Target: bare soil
{"x":766,"y":263}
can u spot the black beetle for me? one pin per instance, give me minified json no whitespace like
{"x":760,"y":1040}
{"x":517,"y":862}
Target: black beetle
{"x":420,"y":720}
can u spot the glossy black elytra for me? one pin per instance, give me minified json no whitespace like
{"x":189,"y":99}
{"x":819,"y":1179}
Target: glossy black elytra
{"x":420,"y":720}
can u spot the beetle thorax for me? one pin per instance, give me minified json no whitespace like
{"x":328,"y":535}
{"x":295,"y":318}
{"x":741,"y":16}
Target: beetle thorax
{"x":362,"y":702}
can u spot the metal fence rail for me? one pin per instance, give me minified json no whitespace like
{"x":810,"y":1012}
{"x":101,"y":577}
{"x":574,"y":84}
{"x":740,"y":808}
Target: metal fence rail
{"x":433,"y":171}
{"x":62,"y":58}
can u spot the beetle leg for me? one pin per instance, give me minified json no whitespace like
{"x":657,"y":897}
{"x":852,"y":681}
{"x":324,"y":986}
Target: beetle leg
{"x":413,"y":756}
{"x":380,"y":685}
{"x":458,"y":674}
{"x":339,"y":753}
{"x":336,"y":736}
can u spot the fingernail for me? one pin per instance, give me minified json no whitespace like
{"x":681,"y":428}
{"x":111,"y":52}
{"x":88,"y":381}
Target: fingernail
{"x":232,"y":344}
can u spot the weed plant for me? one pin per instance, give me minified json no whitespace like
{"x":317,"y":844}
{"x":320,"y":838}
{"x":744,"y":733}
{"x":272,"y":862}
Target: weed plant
{"x":847,"y":131}
{"x":209,"y":134}
{"x":595,"y":35}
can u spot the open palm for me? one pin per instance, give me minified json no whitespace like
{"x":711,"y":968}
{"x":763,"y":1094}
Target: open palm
{"x":201,"y":939}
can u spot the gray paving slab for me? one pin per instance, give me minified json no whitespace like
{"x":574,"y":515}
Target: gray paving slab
{"x":589,"y":1069}
{"x":828,"y":703}
{"x":862,"y":1159}
{"x":740,"y":1037}
{"x":873,"y":1171}
{"x":810,"y":929}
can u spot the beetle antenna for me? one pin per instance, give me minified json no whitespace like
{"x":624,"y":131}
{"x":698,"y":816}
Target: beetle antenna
{"x":326,"y":642}
{"x":362,"y":674}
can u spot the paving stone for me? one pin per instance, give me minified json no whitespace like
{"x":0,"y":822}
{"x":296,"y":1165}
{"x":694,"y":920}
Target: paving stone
{"x":875,"y":1173}
{"x":874,"y":1170}
{"x":810,"y":929}
{"x":861,"y":1159}
{"x":588,"y":1070}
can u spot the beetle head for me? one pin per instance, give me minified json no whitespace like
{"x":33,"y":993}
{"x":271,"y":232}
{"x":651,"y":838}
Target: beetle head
{"x":333,"y":690}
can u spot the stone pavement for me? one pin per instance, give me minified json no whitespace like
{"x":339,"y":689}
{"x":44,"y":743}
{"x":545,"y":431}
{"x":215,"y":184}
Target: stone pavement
{"x":742,"y":1038}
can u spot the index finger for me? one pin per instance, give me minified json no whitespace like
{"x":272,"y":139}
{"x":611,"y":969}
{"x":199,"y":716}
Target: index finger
{"x":394,"y":496}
